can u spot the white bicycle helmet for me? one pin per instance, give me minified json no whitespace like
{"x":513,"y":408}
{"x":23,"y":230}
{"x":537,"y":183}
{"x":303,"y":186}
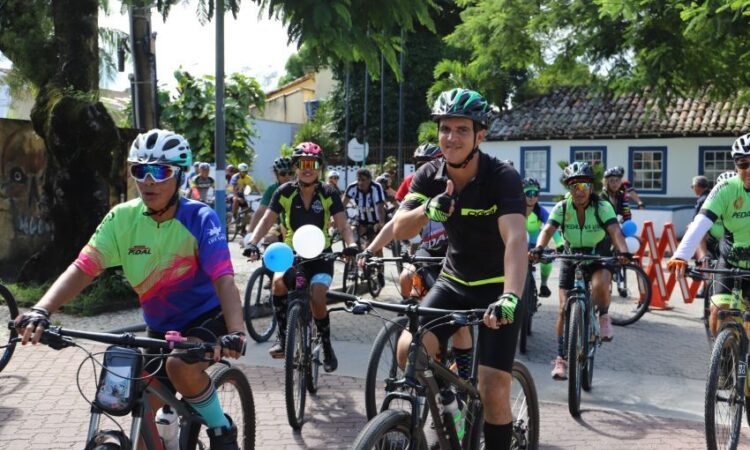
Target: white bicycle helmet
{"x":242,"y":167}
{"x":161,"y":147}
{"x":741,"y":146}
{"x":725,"y":176}
{"x":333,"y":174}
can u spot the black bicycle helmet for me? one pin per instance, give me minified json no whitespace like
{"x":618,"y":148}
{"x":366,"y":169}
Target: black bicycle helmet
{"x":282,"y":164}
{"x":530,"y":183}
{"x":427,"y":152}
{"x":464,"y":103}
{"x":578,"y":171}
{"x":616,"y":171}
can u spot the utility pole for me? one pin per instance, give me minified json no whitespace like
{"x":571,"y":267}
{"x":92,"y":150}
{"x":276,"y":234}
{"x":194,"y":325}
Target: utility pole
{"x":220,"y":131}
{"x":142,"y":47}
{"x":400,"y":169}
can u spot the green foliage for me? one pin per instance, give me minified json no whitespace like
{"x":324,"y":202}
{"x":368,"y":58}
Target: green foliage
{"x":427,"y":132}
{"x":319,"y":130}
{"x":286,"y":150}
{"x":192,"y":114}
{"x":299,"y":64}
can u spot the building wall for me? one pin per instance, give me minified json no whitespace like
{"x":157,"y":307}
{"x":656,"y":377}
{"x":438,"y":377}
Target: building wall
{"x":271,"y":135}
{"x":288,"y":107}
{"x":324,"y":84}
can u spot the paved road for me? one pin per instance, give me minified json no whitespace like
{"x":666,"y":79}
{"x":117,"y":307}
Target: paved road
{"x":648,"y":387}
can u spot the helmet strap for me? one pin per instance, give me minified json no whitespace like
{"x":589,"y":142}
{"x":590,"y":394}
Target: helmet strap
{"x":466,"y":161}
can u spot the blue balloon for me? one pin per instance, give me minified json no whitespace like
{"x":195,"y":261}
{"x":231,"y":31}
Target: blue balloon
{"x":278,"y":257}
{"x":629,"y":228}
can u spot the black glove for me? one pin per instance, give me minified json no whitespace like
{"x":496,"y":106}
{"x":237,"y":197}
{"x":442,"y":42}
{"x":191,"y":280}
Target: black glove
{"x":251,"y":250}
{"x":627,"y":256}
{"x":37,"y":317}
{"x":234,"y":341}
{"x":438,"y":207}
{"x":351,"y":250}
{"x":504,"y":307}
{"x":536,"y":252}
{"x":366,"y":255}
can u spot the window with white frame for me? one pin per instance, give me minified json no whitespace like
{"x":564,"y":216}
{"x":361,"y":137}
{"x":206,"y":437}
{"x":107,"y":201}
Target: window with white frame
{"x":535,"y":165}
{"x":715,"y":161}
{"x":590,"y":155}
{"x":648,"y":169}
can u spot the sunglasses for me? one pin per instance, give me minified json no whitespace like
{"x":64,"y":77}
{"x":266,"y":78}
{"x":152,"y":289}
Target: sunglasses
{"x":308,"y":164}
{"x":532,"y":194}
{"x":158,"y":172}
{"x":580,"y":186}
{"x":742,"y":165}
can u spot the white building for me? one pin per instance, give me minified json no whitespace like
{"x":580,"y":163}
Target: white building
{"x":660,"y":152}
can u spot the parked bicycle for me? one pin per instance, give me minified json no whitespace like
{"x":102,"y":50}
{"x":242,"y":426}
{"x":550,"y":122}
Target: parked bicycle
{"x":125,"y":388}
{"x":8,"y":311}
{"x":727,"y":389}
{"x":630,"y":294}
{"x":258,"y":305}
{"x":429,"y":382}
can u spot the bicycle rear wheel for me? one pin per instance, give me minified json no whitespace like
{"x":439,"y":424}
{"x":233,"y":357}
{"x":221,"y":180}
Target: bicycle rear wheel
{"x":295,"y":366}
{"x":576,"y":358}
{"x":8,"y":312}
{"x":391,"y":430}
{"x":631,"y":295}
{"x":382,"y":365}
{"x":724,"y":397}
{"x":258,"y":306}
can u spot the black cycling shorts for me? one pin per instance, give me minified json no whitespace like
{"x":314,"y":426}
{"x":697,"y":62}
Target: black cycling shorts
{"x":213,"y":321}
{"x":311,"y":269}
{"x":496,"y":348}
{"x":568,"y":268}
{"x":723,"y":284}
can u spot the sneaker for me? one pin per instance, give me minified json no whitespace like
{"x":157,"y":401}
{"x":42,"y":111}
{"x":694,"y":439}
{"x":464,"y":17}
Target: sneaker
{"x":606,"y":330}
{"x":544,"y":291}
{"x":277,"y":349}
{"x":330,"y":363}
{"x":224,"y":438}
{"x":560,"y":371}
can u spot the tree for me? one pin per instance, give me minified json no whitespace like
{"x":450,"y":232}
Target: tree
{"x":192,"y":113}
{"x":300,"y":64}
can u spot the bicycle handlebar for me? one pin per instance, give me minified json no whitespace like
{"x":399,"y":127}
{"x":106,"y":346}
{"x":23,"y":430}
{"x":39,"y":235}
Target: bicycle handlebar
{"x":407,"y":259}
{"x":699,"y":272}
{"x":546,"y":257}
{"x":357,"y":305}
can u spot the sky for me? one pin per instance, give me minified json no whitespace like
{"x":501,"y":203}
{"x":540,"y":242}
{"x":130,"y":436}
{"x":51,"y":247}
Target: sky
{"x":254,"y":46}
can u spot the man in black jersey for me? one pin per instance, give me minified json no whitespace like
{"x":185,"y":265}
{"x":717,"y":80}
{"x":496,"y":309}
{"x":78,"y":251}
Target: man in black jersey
{"x":481,"y":202}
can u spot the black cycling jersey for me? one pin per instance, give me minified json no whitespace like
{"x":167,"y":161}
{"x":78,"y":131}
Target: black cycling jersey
{"x":476,"y":250}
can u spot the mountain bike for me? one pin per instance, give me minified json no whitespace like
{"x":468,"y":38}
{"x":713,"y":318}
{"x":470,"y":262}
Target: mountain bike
{"x":581,"y":330}
{"x":257,"y":308}
{"x":531,"y":300}
{"x":370,"y":275}
{"x":727,"y":391}
{"x":427,"y":381}
{"x":125,"y":387}
{"x":630,"y":294}
{"x":236,"y":226}
{"x":303,"y":348}
{"x":8,"y":311}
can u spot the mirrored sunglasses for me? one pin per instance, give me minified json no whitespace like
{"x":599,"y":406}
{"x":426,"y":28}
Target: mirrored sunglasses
{"x":580,"y":186}
{"x":742,"y":165}
{"x":532,"y":194}
{"x":158,"y":172}
{"x":308,"y":164}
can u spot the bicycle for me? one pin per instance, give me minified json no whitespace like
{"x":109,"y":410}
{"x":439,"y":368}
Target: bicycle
{"x":7,"y":336}
{"x":257,"y":308}
{"x":581,"y":330}
{"x":370,"y":275}
{"x":236,"y":226}
{"x":531,"y":299}
{"x":381,"y":364}
{"x":303,"y":347}
{"x":727,"y":391}
{"x":630,"y":294}
{"x":428,"y":381}
{"x":125,"y":388}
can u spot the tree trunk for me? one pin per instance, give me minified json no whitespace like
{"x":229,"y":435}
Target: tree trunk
{"x":80,"y":136}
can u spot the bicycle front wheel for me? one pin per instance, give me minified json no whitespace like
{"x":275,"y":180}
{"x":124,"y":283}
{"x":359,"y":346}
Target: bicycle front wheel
{"x":382,"y":365}
{"x":391,"y":430}
{"x":630,"y":296}
{"x":576,"y":358}
{"x":372,"y":276}
{"x":258,"y":307}
{"x":724,"y":396}
{"x":8,"y":312}
{"x":351,"y":277}
{"x":295,"y":366}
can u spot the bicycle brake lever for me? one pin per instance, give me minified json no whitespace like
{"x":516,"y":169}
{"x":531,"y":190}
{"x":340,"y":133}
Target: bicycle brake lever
{"x":459,"y":319}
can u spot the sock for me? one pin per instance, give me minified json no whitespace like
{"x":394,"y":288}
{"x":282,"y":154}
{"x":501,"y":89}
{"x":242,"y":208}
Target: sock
{"x":560,"y":347}
{"x":603,"y":310}
{"x":498,"y":436}
{"x":279,"y":308}
{"x":324,"y":329}
{"x":207,"y":405}
{"x":546,"y":271}
{"x":464,"y":361}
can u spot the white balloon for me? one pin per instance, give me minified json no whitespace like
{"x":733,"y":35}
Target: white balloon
{"x":633,"y":244}
{"x":308,"y":241}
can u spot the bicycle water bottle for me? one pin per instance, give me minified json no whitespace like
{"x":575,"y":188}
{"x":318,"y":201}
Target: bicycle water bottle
{"x":168,"y":424}
{"x":454,"y":409}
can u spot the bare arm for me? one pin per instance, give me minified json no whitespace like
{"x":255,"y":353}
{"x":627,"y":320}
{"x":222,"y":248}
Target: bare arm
{"x":544,"y":237}
{"x":343,"y":226}
{"x":617,"y":237}
{"x":513,"y":231}
{"x":382,"y":239}
{"x":269,"y":218}
{"x":407,"y":224}
{"x":231,"y":305}
{"x":256,"y":217}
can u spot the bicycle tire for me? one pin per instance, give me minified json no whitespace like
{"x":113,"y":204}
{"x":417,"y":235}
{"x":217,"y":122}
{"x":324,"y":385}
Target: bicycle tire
{"x":729,"y":339}
{"x":526,"y":381}
{"x":707,"y":288}
{"x":385,"y":341}
{"x":575,"y":366}
{"x":626,"y":310}
{"x":351,"y":277}
{"x":313,"y":367}
{"x":258,"y":307}
{"x":589,"y":349}
{"x":295,"y":358}
{"x":527,"y":311}
{"x":395,"y":246}
{"x":373,"y":282}
{"x":7,"y":335}
{"x":389,"y":421}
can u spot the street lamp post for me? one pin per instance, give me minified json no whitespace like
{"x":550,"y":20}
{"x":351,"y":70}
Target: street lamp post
{"x":219,"y":132}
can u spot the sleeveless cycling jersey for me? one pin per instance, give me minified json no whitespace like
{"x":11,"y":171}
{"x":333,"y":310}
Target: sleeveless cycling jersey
{"x":730,"y":202}
{"x":592,"y":231}
{"x":171,"y":265}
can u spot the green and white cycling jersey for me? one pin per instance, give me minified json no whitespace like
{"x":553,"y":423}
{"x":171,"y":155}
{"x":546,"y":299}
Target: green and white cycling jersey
{"x":592,"y":231}
{"x":730,"y":203}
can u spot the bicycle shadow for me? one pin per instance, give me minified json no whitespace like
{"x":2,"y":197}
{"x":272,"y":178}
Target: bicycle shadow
{"x":9,"y":384}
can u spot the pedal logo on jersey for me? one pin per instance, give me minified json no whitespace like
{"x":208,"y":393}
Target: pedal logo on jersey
{"x":317,"y":207}
{"x":139,"y":250}
{"x":215,"y":234}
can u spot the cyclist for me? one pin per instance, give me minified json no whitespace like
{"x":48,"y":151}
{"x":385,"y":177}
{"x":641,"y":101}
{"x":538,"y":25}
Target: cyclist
{"x":536,"y":217}
{"x":384,"y":180}
{"x":201,"y":184}
{"x":729,"y":201}
{"x":370,"y":200}
{"x":585,"y":221}
{"x":700,"y":187}
{"x":480,"y":202}
{"x":615,"y":192}
{"x":239,"y":181}
{"x":333,"y":181}
{"x":422,"y":155}
{"x":174,"y":253}
{"x":302,"y":202}
{"x":282,"y":171}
